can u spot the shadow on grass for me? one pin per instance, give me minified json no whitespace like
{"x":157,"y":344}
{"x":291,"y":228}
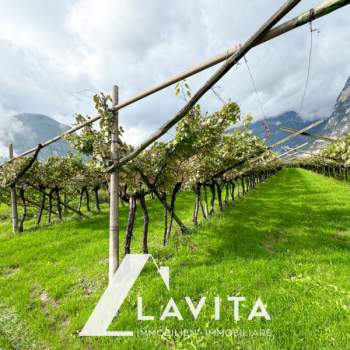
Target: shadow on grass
{"x":293,"y":212}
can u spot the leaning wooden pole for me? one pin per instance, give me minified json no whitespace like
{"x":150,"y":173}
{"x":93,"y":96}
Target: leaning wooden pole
{"x":311,"y":135}
{"x":114,"y":197}
{"x":14,"y":210}
{"x":280,"y":156}
{"x":291,"y":150}
{"x":325,"y":8}
{"x":225,"y":68}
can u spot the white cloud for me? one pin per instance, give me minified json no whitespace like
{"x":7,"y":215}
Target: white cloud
{"x":134,"y":136}
{"x":55,"y":54}
{"x":8,"y":129}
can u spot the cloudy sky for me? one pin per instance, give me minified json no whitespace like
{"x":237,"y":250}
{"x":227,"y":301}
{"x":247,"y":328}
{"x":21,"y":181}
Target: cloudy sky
{"x":56,"y":54}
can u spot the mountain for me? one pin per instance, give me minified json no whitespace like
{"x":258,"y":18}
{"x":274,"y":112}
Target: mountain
{"x":27,"y":130}
{"x":288,"y":119}
{"x":339,"y":122}
{"x":336,"y":125}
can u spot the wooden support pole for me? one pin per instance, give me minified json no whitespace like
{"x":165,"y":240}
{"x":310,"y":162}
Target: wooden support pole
{"x":291,"y":151}
{"x":287,"y":153}
{"x":311,"y":135}
{"x":114,"y":193}
{"x":296,"y":133}
{"x":14,"y":210}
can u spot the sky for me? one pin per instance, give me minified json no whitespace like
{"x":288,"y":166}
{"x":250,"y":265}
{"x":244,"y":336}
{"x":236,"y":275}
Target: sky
{"x":56,"y":54}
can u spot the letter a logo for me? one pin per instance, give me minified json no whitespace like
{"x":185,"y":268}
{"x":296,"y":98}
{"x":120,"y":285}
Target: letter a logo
{"x":115,"y":294}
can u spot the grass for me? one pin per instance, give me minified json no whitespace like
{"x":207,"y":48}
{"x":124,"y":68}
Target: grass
{"x":287,"y":242}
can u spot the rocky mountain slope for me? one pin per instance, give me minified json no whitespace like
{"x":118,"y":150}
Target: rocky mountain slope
{"x":339,"y":122}
{"x":336,"y":125}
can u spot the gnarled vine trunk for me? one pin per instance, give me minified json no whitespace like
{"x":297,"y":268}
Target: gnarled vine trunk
{"x":65,"y":202}
{"x":174,"y":192}
{"x":206,"y":202}
{"x":130,"y":226}
{"x":238,"y":188}
{"x":232,"y":190}
{"x":212,"y":200}
{"x":145,"y":223}
{"x":24,"y":214}
{"x":227,"y":192}
{"x":58,"y":199}
{"x":243,"y":188}
{"x":81,"y":199}
{"x":197,"y":202}
{"x":97,"y":199}
{"x":154,"y":190}
{"x":219,"y":192}
{"x":165,"y":217}
{"x":52,"y":191}
{"x":42,"y":206}
{"x":87,"y":199}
